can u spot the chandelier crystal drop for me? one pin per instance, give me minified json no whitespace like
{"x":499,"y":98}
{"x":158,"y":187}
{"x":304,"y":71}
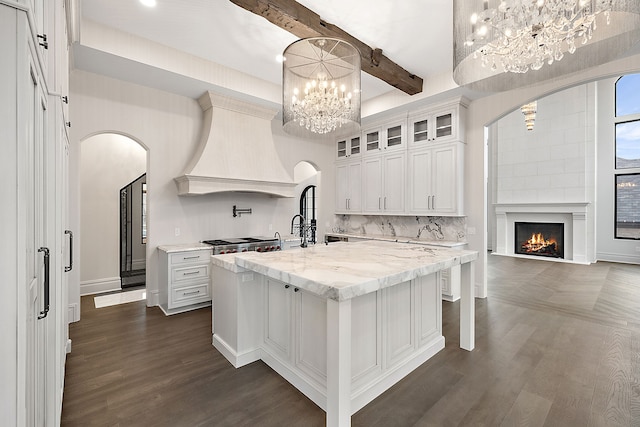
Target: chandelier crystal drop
{"x":321,"y":86}
{"x":323,"y":106}
{"x":529,"y":110}
{"x":519,"y":35}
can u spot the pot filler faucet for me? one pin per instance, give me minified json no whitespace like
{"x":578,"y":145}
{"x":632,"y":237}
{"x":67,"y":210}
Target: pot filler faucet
{"x":303,"y":229}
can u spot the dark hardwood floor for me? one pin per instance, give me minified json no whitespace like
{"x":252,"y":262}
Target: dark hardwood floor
{"x":556,"y":345}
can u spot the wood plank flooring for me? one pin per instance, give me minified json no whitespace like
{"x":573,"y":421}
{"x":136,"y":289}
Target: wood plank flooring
{"x":556,"y":345}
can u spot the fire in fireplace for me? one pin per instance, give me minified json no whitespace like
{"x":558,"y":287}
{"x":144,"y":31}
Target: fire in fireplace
{"x":539,"y":239}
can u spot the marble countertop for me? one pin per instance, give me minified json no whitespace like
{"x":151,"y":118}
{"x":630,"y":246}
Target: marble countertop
{"x":400,"y":239}
{"x":184,"y":247}
{"x":344,"y":270}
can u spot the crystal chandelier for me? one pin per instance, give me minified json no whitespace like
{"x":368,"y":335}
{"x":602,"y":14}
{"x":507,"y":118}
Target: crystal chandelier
{"x":321,"y":86}
{"x":529,"y":110}
{"x":519,"y":35}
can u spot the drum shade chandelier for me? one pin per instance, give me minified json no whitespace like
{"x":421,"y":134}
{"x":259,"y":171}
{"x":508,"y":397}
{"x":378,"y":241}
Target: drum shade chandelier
{"x":519,"y":35}
{"x":502,"y":44}
{"x":320,"y":86}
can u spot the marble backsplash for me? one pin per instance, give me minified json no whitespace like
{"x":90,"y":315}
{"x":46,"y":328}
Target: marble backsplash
{"x":427,"y":228}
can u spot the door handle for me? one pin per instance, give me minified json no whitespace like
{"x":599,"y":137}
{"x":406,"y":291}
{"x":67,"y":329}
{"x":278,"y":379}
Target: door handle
{"x":44,"y":312}
{"x":433,"y":202}
{"x":69,"y":267}
{"x":385,"y":203}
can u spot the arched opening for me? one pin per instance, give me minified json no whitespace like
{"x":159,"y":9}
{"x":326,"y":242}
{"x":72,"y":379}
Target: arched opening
{"x":563,"y":171}
{"x":112,"y":202}
{"x":307,"y":179}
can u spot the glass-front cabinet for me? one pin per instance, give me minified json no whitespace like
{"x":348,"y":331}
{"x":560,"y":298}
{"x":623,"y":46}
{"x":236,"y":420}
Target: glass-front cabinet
{"x":436,"y":126}
{"x":391,"y":136}
{"x":348,"y":147}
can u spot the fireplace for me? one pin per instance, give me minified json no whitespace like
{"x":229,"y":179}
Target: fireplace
{"x":544,"y":239}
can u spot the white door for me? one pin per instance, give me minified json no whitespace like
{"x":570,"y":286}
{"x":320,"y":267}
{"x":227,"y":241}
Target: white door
{"x":355,"y":187}
{"x":444,"y":179}
{"x":420,"y":181}
{"x":394,"y":178}
{"x":34,"y":204}
{"x":372,"y":184}
{"x":342,"y":187}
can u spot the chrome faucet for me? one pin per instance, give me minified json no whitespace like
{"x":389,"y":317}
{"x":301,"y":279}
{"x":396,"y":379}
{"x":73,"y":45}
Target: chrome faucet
{"x":277,"y":235}
{"x":303,"y":229}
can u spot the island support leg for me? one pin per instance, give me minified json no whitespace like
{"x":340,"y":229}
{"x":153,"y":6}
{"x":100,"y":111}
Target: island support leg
{"x":467,"y":306}
{"x":338,"y":363}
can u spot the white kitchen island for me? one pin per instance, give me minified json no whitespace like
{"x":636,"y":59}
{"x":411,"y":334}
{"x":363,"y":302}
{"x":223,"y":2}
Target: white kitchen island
{"x":341,"y":322}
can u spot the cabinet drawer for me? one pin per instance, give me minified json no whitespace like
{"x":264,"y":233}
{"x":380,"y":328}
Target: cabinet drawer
{"x":192,"y":272}
{"x":188,"y":295}
{"x":190,"y":257}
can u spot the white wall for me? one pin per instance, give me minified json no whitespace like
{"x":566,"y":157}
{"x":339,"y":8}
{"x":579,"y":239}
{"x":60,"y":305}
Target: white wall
{"x":108,"y":163}
{"x":168,"y":126}
{"x":549,"y":163}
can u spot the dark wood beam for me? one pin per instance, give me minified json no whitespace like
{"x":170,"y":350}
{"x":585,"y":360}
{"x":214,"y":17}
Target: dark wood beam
{"x":302,"y":22}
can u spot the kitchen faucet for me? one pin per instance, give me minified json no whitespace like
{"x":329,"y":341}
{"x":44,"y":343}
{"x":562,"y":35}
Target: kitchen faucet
{"x":303,"y":229}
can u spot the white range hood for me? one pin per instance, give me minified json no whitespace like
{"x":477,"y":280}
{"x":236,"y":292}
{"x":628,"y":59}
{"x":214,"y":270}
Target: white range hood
{"x":236,"y":151}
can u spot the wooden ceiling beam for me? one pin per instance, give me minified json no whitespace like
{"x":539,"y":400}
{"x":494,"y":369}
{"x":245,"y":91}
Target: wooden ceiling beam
{"x":302,"y":22}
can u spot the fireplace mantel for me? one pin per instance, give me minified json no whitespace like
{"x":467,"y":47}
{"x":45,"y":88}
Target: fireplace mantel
{"x":572,"y":214}
{"x":553,"y":207}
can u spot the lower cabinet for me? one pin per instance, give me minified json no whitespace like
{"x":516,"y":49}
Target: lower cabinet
{"x":451,"y":284}
{"x":388,"y":327}
{"x":184,"y":278}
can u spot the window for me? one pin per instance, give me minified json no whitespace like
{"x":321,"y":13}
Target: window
{"x":627,"y":157}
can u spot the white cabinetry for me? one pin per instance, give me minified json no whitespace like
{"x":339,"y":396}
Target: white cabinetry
{"x":348,"y":147}
{"x":348,"y":187}
{"x":435,"y":180}
{"x":391,"y":136}
{"x":384,"y":183}
{"x":293,"y":319}
{"x":442,"y":125}
{"x":411,"y":165}
{"x":33,"y":135}
{"x":184,"y":280}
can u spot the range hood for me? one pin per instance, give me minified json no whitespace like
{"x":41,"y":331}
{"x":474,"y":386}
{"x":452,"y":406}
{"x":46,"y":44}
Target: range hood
{"x":236,"y":151}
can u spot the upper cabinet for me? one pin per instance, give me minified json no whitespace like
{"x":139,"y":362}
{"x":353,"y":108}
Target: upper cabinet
{"x":411,"y":164}
{"x":348,"y":147}
{"x":389,"y":137}
{"x":441,"y":125}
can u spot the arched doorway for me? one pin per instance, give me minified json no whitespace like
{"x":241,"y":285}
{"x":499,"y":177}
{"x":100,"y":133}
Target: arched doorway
{"x":307,"y":180}
{"x":109,"y":163}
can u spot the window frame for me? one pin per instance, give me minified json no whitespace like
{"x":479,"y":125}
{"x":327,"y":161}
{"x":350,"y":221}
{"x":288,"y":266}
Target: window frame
{"x":622,"y":171}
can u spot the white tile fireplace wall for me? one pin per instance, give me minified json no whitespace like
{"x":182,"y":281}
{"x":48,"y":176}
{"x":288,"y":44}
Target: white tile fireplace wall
{"x":547,"y":174}
{"x":427,"y":228}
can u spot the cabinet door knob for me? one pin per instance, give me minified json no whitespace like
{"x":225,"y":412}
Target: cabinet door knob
{"x":286,"y":286}
{"x":296,"y":290}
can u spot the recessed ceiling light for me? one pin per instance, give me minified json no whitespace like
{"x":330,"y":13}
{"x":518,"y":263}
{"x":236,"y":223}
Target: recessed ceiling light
{"x":149,"y":3}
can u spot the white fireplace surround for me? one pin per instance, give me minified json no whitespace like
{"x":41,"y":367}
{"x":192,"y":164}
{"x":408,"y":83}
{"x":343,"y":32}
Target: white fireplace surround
{"x":572,"y":215}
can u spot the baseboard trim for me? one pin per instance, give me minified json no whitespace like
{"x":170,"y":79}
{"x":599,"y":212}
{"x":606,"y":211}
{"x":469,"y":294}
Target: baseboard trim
{"x":236,"y":359}
{"x":621,"y":258}
{"x":92,"y":287}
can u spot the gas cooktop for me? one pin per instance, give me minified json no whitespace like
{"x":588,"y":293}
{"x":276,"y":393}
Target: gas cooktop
{"x":243,"y":244}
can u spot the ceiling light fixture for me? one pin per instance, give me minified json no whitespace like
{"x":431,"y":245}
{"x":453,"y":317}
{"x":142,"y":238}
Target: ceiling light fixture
{"x":511,"y":37}
{"x":149,"y":3}
{"x":519,"y":35}
{"x":320,"y":86}
{"x":529,"y":110}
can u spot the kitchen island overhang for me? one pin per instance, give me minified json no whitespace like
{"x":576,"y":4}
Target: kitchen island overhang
{"x":343,"y":322}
